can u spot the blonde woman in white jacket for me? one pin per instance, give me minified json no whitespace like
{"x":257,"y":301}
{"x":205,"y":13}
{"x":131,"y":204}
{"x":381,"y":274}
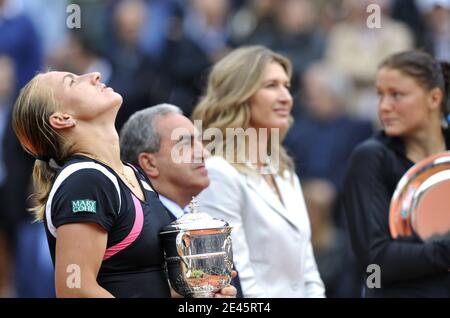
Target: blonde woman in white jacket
{"x":253,"y":184}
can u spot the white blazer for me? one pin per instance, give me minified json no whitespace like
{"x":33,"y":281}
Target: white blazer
{"x":272,"y":249}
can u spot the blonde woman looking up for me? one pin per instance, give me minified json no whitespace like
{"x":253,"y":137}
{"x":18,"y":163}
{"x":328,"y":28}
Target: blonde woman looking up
{"x":253,"y":184}
{"x":102,"y":216}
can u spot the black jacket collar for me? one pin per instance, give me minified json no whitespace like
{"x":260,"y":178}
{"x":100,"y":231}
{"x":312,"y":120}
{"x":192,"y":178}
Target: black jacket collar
{"x":397,"y":144}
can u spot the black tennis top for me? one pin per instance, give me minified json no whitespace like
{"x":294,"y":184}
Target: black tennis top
{"x":86,"y":190}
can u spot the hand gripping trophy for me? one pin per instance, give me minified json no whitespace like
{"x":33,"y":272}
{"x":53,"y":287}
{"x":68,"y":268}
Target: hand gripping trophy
{"x":198,"y":253}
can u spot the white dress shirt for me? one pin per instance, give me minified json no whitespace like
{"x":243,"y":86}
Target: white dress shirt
{"x":173,"y":207}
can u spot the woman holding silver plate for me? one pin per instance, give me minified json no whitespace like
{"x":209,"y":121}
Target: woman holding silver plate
{"x":414,"y":103}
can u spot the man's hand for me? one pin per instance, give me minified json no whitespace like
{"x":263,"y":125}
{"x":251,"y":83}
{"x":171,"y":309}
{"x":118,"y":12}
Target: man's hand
{"x":228,"y":291}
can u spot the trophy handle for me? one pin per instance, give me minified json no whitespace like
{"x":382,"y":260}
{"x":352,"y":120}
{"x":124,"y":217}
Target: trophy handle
{"x":227,"y":247}
{"x":181,"y":239}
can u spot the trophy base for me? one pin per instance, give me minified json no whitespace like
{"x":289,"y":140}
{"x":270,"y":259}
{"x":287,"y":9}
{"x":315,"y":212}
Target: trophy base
{"x":205,"y":294}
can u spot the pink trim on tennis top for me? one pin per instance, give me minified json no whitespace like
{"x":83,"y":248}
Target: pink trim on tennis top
{"x":134,"y":233}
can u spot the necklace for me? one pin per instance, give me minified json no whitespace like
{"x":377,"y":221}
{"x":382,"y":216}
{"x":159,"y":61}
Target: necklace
{"x":265,"y":168}
{"x":122,"y":173}
{"x":127,"y":179}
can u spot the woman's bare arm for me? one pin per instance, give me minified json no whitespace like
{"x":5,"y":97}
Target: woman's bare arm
{"x":79,"y":252}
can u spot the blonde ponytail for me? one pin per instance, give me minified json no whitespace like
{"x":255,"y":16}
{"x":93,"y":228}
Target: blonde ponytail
{"x":30,"y":119}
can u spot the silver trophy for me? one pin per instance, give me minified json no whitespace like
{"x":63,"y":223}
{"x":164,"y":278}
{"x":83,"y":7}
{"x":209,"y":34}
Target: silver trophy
{"x":198,"y":254}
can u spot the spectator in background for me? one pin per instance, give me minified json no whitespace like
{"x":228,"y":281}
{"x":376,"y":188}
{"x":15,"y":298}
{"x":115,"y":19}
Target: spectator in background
{"x":322,"y":140}
{"x":331,"y":12}
{"x":437,"y":13}
{"x":49,"y":20}
{"x":81,"y":54}
{"x":298,"y":36}
{"x":334,"y":257}
{"x":253,"y":23}
{"x":19,"y":40}
{"x":7,"y":82}
{"x":185,"y":63}
{"x":286,"y":26}
{"x":31,"y":259}
{"x":136,"y":76}
{"x":356,"y":49}
{"x":95,"y":22}
{"x":410,"y":13}
{"x":156,"y":28}
{"x":206,"y":23}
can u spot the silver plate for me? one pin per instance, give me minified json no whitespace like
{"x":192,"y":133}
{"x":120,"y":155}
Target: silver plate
{"x":421,"y":201}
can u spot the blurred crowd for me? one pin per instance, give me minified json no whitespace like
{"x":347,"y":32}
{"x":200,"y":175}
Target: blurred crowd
{"x":154,"y":51}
